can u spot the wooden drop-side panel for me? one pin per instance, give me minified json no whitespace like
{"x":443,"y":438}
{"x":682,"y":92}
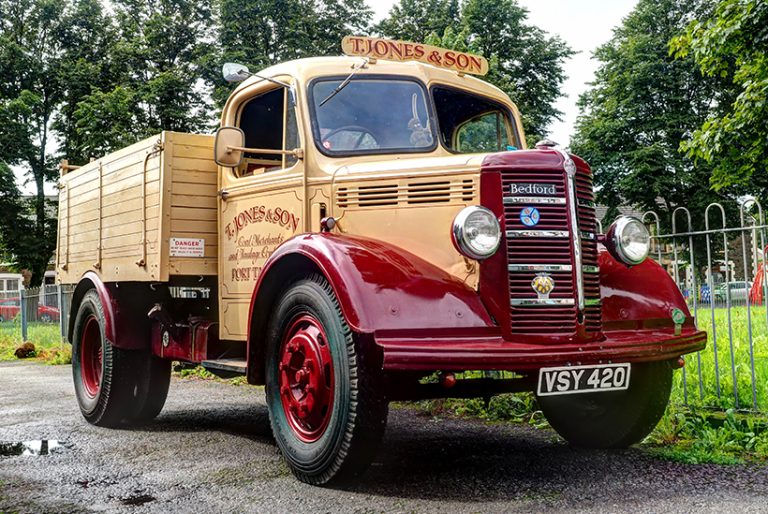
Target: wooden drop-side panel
{"x":118,"y":214}
{"x":192,"y":200}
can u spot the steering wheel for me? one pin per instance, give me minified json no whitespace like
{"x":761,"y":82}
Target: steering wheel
{"x":350,"y":128}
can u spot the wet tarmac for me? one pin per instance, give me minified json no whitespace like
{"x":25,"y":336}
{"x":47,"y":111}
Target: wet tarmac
{"x":211,"y":451}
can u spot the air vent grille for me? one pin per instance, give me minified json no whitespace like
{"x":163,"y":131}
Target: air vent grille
{"x":437,"y":192}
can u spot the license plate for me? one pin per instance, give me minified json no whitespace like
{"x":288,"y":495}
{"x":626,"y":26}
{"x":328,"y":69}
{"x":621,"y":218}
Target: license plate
{"x":583,"y":379}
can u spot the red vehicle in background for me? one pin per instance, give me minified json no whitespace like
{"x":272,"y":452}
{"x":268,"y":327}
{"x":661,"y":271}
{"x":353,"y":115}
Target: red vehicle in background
{"x":11,"y":307}
{"x":47,"y":313}
{"x":757,"y":291}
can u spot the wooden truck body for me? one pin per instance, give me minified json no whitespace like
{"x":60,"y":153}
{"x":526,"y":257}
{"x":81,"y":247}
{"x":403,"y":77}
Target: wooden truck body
{"x":364,"y":229}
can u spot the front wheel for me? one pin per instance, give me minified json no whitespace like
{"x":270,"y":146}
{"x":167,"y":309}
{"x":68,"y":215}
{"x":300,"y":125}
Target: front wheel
{"x":612,"y":419}
{"x":326,"y":401}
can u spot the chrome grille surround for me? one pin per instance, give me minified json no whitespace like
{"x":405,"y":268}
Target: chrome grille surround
{"x":567,"y":220}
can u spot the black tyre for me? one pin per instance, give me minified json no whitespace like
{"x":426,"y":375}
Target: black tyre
{"x":326,"y":400}
{"x":112,"y":385}
{"x":155,"y":392}
{"x":612,"y":419}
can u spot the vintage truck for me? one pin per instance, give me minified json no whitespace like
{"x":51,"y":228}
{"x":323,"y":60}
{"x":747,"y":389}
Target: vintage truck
{"x":363,"y":229}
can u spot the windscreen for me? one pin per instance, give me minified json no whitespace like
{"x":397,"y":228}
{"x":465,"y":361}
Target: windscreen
{"x":371,"y":116}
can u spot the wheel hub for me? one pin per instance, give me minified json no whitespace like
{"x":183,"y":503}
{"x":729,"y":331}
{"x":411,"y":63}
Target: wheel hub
{"x":91,"y":357}
{"x":306,"y":378}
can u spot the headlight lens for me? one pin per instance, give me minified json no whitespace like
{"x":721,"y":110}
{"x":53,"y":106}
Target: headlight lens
{"x":476,"y":232}
{"x":629,"y":240}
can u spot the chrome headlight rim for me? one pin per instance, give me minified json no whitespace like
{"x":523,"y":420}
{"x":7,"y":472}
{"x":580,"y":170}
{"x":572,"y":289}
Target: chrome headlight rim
{"x":460,"y":236}
{"x":617,"y":246}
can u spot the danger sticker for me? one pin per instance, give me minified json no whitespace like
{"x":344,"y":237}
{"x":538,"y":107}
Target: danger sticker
{"x":187,"y":247}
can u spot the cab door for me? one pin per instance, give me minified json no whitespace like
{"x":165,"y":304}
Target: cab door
{"x":261,"y":201}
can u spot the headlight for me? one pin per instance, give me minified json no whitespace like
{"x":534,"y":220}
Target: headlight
{"x":628,"y":240}
{"x":476,"y":232}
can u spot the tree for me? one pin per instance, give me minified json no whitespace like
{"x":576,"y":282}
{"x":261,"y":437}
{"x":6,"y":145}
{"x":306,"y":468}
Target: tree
{"x":262,"y":33}
{"x":732,"y":45}
{"x":525,"y":62}
{"x":642,"y":104}
{"x":416,"y":20}
{"x":30,"y":92}
{"x":88,"y":37}
{"x":153,"y":76}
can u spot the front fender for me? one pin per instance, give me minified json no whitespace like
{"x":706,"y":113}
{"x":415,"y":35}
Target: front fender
{"x":382,"y":289}
{"x":642,"y":296}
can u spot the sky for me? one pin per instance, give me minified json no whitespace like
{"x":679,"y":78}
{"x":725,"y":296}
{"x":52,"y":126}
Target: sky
{"x":584,"y":25}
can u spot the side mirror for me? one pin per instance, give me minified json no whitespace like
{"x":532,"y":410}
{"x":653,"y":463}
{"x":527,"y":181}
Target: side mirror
{"x":234,"y":72}
{"x":227,"y":147}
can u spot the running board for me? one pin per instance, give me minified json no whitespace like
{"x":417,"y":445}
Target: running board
{"x":226,"y":368}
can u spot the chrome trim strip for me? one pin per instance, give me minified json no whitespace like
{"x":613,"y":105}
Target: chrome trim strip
{"x":537,"y":233}
{"x":570,"y":173}
{"x":534,"y":199}
{"x":593,"y":302}
{"x":591,"y":269}
{"x":523,"y":302}
{"x":540,"y":267}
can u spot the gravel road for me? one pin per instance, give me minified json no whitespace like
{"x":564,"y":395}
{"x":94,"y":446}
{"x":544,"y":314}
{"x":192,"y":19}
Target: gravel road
{"x":211,"y":451}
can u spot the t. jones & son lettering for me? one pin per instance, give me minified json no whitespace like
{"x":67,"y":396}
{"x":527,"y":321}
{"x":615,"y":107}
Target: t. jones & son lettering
{"x":259,"y":214}
{"x":403,"y":51}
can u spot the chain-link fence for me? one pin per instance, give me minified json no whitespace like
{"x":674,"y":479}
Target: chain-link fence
{"x":39,"y":313}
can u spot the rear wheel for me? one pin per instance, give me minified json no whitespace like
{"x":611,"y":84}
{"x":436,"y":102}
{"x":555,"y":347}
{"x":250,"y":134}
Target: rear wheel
{"x":612,"y":419}
{"x":326,"y":401}
{"x":113,"y":386}
{"x":156,"y":385}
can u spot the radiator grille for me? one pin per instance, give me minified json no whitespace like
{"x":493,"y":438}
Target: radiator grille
{"x":552,"y":253}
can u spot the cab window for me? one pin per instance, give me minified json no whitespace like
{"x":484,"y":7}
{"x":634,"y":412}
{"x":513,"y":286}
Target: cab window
{"x":371,"y":115}
{"x":472,"y":124}
{"x":268,"y":122}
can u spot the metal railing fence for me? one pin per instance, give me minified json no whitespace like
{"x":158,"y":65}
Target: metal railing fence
{"x":721,"y":273}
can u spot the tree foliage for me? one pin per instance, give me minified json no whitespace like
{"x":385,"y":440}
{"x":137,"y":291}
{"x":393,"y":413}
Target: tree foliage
{"x":643,"y":103}
{"x":525,"y":63}
{"x":266,"y":32}
{"x":30,"y":91}
{"x":732,"y":45}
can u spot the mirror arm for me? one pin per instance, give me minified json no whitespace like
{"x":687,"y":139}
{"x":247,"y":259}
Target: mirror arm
{"x":298,"y":152}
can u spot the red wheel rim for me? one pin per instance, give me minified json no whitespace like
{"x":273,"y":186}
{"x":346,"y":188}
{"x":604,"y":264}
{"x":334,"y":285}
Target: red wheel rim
{"x":305,"y":377}
{"x":91,"y":357}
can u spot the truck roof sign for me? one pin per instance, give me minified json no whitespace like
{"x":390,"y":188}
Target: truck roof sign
{"x":406,"y":51}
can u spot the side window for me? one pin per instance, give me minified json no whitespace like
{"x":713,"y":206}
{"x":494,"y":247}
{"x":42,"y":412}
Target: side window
{"x":268,"y":122}
{"x":486,"y":133}
{"x":472,"y":124}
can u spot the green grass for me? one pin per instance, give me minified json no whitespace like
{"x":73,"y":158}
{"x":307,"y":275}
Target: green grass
{"x":701,"y":380}
{"x":49,"y":346}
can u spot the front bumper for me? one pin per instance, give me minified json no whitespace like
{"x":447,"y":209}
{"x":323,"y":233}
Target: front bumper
{"x":494,"y":353}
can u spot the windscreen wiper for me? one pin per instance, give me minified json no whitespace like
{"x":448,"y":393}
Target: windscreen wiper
{"x":345,"y":82}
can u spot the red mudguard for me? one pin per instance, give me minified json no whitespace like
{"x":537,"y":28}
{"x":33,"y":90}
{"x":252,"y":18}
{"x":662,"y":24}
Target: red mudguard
{"x":422,"y":318}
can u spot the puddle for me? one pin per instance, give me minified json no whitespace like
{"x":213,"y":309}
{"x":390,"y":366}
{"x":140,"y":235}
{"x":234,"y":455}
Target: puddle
{"x":33,"y":448}
{"x":139,"y":499}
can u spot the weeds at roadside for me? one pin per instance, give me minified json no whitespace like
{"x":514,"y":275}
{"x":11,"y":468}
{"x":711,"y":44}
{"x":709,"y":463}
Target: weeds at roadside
{"x":48,"y":345}
{"x":200,"y":373}
{"x":696,"y":437}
